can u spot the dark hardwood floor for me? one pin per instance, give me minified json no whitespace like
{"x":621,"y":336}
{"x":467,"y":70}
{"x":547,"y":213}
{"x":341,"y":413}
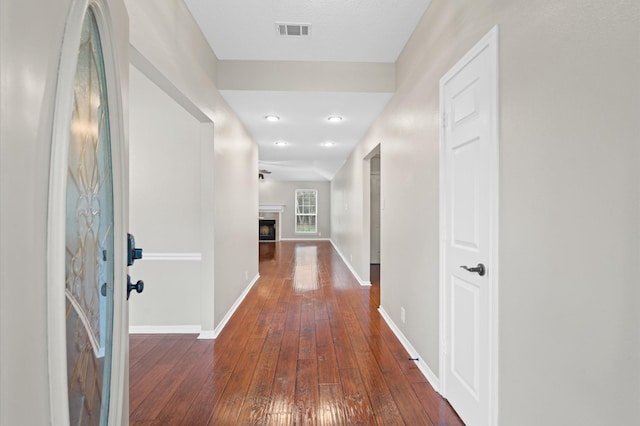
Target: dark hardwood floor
{"x":307,"y":346}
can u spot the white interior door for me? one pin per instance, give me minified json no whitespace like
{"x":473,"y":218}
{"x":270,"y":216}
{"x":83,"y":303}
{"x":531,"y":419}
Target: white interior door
{"x":469,"y":165}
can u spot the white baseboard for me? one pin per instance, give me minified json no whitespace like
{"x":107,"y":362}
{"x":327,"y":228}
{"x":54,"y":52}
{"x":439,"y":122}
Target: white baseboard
{"x":193,"y":329}
{"x":422,"y":366}
{"x":234,"y":307}
{"x":353,"y":271}
{"x":207,"y":335}
{"x":164,"y":329}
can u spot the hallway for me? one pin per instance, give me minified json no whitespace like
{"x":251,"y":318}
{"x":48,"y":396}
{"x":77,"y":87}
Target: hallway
{"x":306,"y":346}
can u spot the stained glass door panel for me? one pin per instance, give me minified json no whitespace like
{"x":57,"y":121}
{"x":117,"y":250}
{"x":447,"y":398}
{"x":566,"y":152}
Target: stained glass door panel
{"x":89,"y":238}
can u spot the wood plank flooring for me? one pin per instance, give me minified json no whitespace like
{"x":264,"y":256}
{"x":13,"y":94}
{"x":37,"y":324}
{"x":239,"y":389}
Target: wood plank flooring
{"x":306,"y":347}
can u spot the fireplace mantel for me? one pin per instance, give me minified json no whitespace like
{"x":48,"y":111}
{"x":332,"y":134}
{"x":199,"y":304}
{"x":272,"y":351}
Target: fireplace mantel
{"x":271,"y":208}
{"x":272,"y":212}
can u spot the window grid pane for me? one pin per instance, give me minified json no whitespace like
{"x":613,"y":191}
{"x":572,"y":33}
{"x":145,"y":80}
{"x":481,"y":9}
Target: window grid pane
{"x":306,"y":211}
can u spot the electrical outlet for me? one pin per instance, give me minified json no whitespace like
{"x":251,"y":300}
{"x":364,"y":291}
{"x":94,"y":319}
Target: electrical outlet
{"x":319,"y":234}
{"x":246,"y":275}
{"x":402,"y":315}
{"x":350,"y":257}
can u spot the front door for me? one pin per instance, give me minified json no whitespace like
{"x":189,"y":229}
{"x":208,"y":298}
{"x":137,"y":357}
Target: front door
{"x":469,"y":197}
{"x":89,"y":237}
{"x":88,"y":183}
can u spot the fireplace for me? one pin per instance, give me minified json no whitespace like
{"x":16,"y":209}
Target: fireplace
{"x":269,"y":217}
{"x":267,"y":230}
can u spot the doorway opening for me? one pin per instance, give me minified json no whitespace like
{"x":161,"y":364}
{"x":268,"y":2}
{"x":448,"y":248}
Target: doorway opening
{"x":374,"y":225}
{"x":172,"y":200}
{"x":372,"y":213}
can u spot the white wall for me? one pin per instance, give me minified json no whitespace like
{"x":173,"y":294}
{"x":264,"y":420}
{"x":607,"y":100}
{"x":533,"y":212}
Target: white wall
{"x":569,"y":197}
{"x":169,"y":46}
{"x":236,"y":211}
{"x":31,"y":35}
{"x":165,"y":206}
{"x":569,"y":345}
{"x":283,"y":193}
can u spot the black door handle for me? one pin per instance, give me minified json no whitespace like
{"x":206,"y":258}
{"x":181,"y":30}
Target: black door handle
{"x":138,"y":287}
{"x":133,"y":254}
{"x":480,"y":269}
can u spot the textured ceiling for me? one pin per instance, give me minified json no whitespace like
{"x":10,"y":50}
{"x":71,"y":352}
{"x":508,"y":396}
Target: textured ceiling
{"x":341,"y":30}
{"x":364,"y":31}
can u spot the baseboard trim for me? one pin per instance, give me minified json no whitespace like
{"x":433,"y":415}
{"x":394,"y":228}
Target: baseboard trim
{"x":422,"y":366}
{"x":164,"y":329}
{"x":194,"y":329}
{"x":234,"y":307}
{"x":353,"y":271}
{"x":207,"y":335}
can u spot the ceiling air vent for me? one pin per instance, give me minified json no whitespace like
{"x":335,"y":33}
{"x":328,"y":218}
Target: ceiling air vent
{"x":293,"y":30}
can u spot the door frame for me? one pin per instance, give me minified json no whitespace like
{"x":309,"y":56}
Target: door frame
{"x":56,"y":222}
{"x":378,"y":174}
{"x":206,"y":257}
{"x":366,"y":212}
{"x":488,"y":43}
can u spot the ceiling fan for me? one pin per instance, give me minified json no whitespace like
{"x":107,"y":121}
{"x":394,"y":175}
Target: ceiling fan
{"x":263,"y":172}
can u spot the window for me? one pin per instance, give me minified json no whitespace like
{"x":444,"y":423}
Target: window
{"x":306,"y":211}
{"x":90,"y":246}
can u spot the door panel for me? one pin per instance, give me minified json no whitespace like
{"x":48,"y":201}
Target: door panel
{"x":89,"y":237}
{"x":468,"y":159}
{"x":465,"y":195}
{"x":464,"y":104}
{"x":465,"y":301}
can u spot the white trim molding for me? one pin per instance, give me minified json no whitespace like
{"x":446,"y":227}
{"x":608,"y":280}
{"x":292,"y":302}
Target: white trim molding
{"x":233,"y":308}
{"x":353,"y":271}
{"x":173,"y":329}
{"x":172,"y":256}
{"x":207,"y":335}
{"x":164,"y":329}
{"x":195,"y":328}
{"x":271,"y":208}
{"x":431,"y":377}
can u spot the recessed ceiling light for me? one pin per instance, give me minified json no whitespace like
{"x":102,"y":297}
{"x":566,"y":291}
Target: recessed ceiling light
{"x":281,"y":143}
{"x":328,"y":144}
{"x":272,"y":118}
{"x":335,"y":119}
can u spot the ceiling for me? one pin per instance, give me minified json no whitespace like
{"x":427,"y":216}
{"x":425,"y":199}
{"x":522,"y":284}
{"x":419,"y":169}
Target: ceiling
{"x":368,"y":32}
